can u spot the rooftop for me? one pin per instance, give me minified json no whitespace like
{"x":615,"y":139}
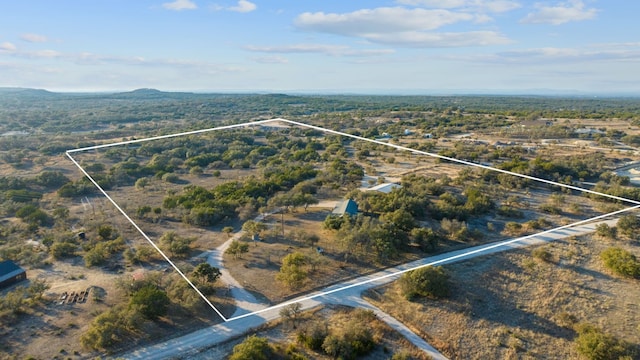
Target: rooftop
{"x":385,"y":188}
{"x":8,"y":266}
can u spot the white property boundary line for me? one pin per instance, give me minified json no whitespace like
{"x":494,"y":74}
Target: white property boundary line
{"x":399,"y":147}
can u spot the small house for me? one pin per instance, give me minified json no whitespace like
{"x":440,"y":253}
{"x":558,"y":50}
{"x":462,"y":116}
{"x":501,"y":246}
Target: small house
{"x":346,"y":207}
{"x":11,"y":273}
{"x":385,"y":188}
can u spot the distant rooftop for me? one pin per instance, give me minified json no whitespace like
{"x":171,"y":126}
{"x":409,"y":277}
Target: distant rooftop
{"x":385,"y":188}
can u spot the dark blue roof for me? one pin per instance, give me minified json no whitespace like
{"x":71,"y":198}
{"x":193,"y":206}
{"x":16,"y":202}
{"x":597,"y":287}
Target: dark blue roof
{"x":8,"y":266}
{"x":348,"y":206}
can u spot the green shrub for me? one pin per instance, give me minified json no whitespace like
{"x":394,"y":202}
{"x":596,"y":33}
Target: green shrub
{"x":333,"y":222}
{"x":621,"y":262}
{"x":150,"y":301}
{"x":357,"y":340}
{"x":606,"y":231}
{"x":61,"y":250}
{"x":313,"y":335}
{"x":171,"y":178}
{"x":107,"y":232}
{"x":427,"y":282}
{"x":293,"y":354}
{"x":550,"y":209}
{"x":594,"y":344}
{"x":102,"y":251}
{"x":512,"y":227}
{"x":292,"y":273}
{"x":628,"y":224}
{"x":109,"y":329}
{"x":253,"y":348}
{"x":402,"y":355}
{"x":537,"y":224}
{"x":95,"y":256}
{"x":541,"y":253}
{"x":508,"y":211}
{"x":334,"y":346}
{"x":360,"y":338}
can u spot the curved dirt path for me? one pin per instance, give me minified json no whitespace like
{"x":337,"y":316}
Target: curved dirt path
{"x":246,"y":302}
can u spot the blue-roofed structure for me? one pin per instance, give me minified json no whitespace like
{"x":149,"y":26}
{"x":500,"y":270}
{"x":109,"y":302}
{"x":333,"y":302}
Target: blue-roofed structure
{"x":11,"y":273}
{"x":346,"y":207}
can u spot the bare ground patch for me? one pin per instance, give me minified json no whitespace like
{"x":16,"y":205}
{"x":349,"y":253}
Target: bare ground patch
{"x":511,"y":305}
{"x":53,"y":329}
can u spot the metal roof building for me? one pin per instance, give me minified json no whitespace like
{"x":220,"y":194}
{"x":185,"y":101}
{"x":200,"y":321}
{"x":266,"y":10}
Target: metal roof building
{"x":385,"y":188}
{"x":11,"y":273}
{"x":348,"y":207}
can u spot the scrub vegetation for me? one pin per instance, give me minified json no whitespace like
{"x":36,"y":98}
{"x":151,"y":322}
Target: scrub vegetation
{"x":278,"y":185}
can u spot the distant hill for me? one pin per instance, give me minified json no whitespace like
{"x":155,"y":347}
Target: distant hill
{"x":25,"y":91}
{"x":150,"y":94}
{"x":145,"y":92}
{"x":140,"y":94}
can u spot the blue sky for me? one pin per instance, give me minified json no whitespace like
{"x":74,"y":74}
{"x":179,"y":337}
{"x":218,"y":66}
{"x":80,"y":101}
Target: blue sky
{"x":393,"y":46}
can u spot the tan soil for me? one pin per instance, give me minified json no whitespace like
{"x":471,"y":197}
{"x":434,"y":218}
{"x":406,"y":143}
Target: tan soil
{"x":53,"y":330}
{"x":512,"y":306}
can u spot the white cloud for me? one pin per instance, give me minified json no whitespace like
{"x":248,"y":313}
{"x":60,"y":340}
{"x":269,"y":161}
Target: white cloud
{"x":548,"y":53}
{"x":34,"y":38}
{"x":495,"y":6}
{"x":46,"y":54}
{"x":616,"y":45}
{"x":500,"y":6}
{"x":332,"y":50}
{"x":572,"y":55}
{"x":91,"y":59}
{"x":402,"y":27}
{"x":483,"y":18}
{"x":564,"y":12}
{"x":379,"y":20}
{"x":270,"y":60}
{"x":179,"y":5}
{"x":243,"y":6}
{"x":441,"y":40}
{"x":442,"y":4}
{"x":7,"y":47}
{"x":612,"y":52}
{"x":87,"y":58}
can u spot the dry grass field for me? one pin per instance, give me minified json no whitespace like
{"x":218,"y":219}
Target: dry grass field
{"x":257,"y":269}
{"x":515,"y":306}
{"x":523,"y":307}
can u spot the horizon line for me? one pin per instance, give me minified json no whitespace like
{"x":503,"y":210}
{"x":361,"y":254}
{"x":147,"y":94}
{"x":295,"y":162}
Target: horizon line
{"x":348,"y":92}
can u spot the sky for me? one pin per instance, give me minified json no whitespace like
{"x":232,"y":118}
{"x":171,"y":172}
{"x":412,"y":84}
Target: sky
{"x":329,"y":46}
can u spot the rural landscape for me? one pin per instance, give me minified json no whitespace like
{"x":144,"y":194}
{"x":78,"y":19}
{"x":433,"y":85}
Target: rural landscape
{"x":144,"y":217}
